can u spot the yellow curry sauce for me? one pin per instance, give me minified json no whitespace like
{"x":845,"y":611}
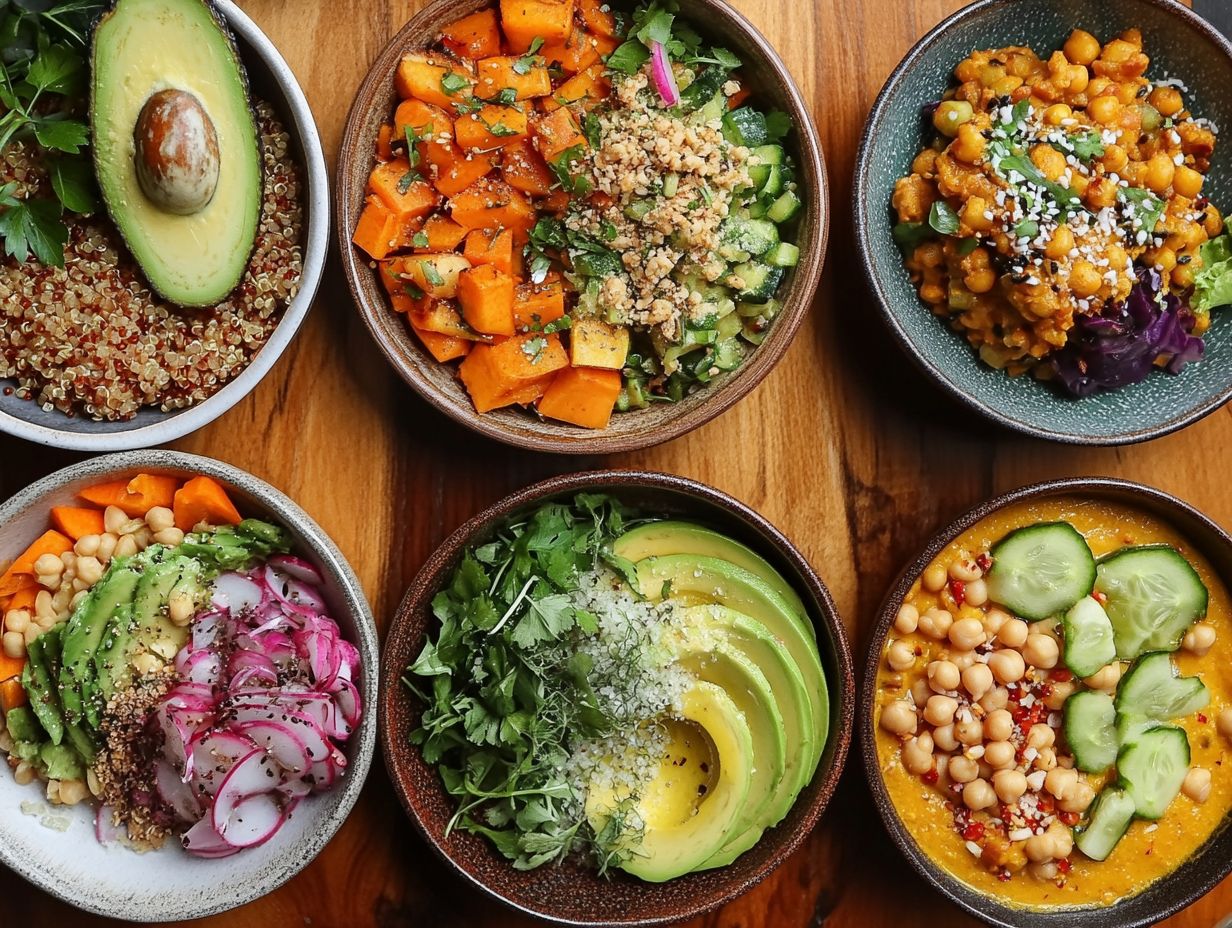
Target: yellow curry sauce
{"x":1149,"y":850}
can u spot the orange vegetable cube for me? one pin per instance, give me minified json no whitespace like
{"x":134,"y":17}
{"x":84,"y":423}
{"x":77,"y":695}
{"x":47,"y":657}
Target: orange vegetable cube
{"x":384,"y":135}
{"x":442,"y":347}
{"x":499,"y":73}
{"x":443,"y":318}
{"x":76,"y":522}
{"x":442,"y":233}
{"x":492,"y":204}
{"x":579,"y":51}
{"x":535,"y":305}
{"x":737,"y":98}
{"x":136,"y":496}
{"x":585,"y":89}
{"x":526,"y":20}
{"x":402,"y":190}
{"x":491,"y":127}
{"x":524,"y":169}
{"x":556,"y":202}
{"x":456,"y":171}
{"x":423,"y":119}
{"x":203,"y":499}
{"x":432,"y":78}
{"x":512,"y":370}
{"x":486,"y":295}
{"x":474,"y":36}
{"x":21,"y":571}
{"x":557,"y":132}
{"x":583,"y":396}
{"x":494,"y":248}
{"x":378,"y":229}
{"x":12,"y":693}
{"x":597,"y":16}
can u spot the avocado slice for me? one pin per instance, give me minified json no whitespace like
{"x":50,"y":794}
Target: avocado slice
{"x":36,"y":679}
{"x":180,"y":51}
{"x":23,"y":725}
{"x":166,"y":576}
{"x":61,"y":762}
{"x":83,"y":633}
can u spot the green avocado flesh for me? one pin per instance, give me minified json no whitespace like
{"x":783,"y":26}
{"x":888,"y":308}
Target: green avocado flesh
{"x":142,"y":47}
{"x":758,"y":705}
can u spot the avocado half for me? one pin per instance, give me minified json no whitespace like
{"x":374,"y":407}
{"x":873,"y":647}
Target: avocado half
{"x":142,"y":48}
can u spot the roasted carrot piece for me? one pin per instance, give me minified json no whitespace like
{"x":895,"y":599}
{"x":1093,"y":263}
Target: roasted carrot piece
{"x":502,"y":73}
{"x":443,"y":318}
{"x":583,"y":396}
{"x":535,"y":305}
{"x":524,"y":169}
{"x":556,"y":202}
{"x":203,"y":499}
{"x":491,"y":204}
{"x":512,"y":370}
{"x":584,"y":90}
{"x":597,"y":16}
{"x":460,"y":171}
{"x":136,"y":496}
{"x":377,"y":230}
{"x":524,"y":21}
{"x":579,"y":51}
{"x":474,"y":36}
{"x":494,"y":248}
{"x":77,"y":521}
{"x":25,"y":597}
{"x":738,"y":97}
{"x":491,"y":127}
{"x":12,"y":693}
{"x":423,"y":119}
{"x":433,"y":78}
{"x":21,"y":570}
{"x":486,"y":296}
{"x":441,"y":347}
{"x":402,"y":190}
{"x":384,"y":152}
{"x":442,"y":233}
{"x":557,"y":132}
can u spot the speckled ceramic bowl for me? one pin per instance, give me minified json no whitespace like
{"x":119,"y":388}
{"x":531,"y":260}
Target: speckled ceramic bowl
{"x":169,"y":885}
{"x":572,"y":894}
{"x":1192,"y":878}
{"x":1181,"y":45}
{"x":771,"y":83}
{"x":273,"y":81}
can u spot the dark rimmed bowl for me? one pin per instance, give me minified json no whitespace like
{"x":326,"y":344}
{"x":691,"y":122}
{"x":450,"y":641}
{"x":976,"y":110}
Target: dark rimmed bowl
{"x":438,"y":383}
{"x":571,"y":894}
{"x":1181,"y":44}
{"x":1192,"y":878}
{"x":168,"y":884}
{"x":271,"y":80}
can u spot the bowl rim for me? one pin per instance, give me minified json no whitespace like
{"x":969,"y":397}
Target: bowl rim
{"x":332,"y":562}
{"x":797,"y":301}
{"x":989,"y":909}
{"x":865,"y":217}
{"x":427,"y":580}
{"x":315,"y":248}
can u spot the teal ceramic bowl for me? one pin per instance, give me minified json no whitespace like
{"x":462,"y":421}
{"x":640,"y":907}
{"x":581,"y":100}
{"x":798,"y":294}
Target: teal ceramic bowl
{"x":1181,"y":45}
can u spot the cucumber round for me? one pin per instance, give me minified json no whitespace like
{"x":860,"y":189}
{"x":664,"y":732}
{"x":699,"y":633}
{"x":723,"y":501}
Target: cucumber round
{"x":1152,"y":769}
{"x":1089,"y":638}
{"x":1090,"y":729}
{"x":1110,"y":818}
{"x":1154,"y":595}
{"x":1153,"y":690}
{"x":1041,"y":570}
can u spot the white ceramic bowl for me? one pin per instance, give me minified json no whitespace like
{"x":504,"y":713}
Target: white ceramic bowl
{"x":168,"y":884}
{"x":271,"y":80}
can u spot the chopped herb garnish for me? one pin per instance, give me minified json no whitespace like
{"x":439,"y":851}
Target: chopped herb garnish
{"x":592,"y":129}
{"x":420,"y":239}
{"x":1087,"y":145}
{"x":507,"y":97}
{"x":943,"y":219}
{"x":533,"y":348}
{"x":1147,"y":209}
{"x":524,"y":64}
{"x":629,"y":58}
{"x":453,"y":83}
{"x":1027,"y":229}
{"x":778,"y":125}
{"x":967,"y":245}
{"x":500,"y":130}
{"x":718,"y":56}
{"x":576,"y":184}
{"x":910,"y":235}
{"x":431,"y":274}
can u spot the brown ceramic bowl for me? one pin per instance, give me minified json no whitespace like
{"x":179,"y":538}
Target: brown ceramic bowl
{"x":1192,"y":878}
{"x":572,"y":894}
{"x":438,"y":383}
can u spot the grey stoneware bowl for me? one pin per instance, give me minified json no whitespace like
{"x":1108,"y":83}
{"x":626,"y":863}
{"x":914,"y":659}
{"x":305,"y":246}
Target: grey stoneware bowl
{"x":272,"y":80}
{"x":1181,"y":45}
{"x":168,"y":884}
{"x":571,"y":893}
{"x":772,"y":85}
{"x":1192,"y":878}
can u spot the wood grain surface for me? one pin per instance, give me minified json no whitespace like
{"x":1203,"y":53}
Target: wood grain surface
{"x":844,"y":447}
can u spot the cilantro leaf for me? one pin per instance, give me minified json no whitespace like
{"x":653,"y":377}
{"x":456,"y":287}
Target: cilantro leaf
{"x":33,"y":227}
{"x":654,"y":25}
{"x":73,"y":181}
{"x":629,"y":58}
{"x":524,"y":64}
{"x":453,"y":83}
{"x":1087,"y":145}
{"x":420,"y":240}
{"x":1147,"y":208}
{"x":778,"y":125}
{"x":943,"y":219}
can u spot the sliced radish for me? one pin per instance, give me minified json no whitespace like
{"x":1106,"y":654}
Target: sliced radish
{"x":295,"y":595}
{"x":202,"y":840}
{"x":105,"y":828}
{"x":253,"y":821}
{"x":346,"y":698}
{"x":175,"y":793}
{"x":237,"y":593}
{"x":213,"y":756}
{"x":253,"y":774}
{"x":296,"y":568}
{"x":282,"y":742}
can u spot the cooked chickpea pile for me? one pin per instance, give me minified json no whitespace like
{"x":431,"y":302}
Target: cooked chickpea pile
{"x":1019,"y":267}
{"x":974,"y":695}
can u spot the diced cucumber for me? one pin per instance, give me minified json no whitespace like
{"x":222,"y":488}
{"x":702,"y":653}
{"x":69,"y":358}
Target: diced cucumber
{"x":704,"y":90}
{"x":712,"y":109}
{"x":784,"y":208}
{"x":638,"y":209}
{"x":784,"y":254}
{"x":1152,"y":769}
{"x":755,"y":236}
{"x":728,"y":355}
{"x":1089,"y":643}
{"x":759,"y":174}
{"x":1154,"y":595}
{"x":760,"y":281}
{"x":1041,"y":570}
{"x":757,"y":210}
{"x":699,"y":337}
{"x":745,"y":126}
{"x":596,"y":263}
{"x":772,"y":185}
{"x":672,"y":356}
{"x":1153,"y":690}
{"x":729,"y":326}
{"x":1109,"y":819}
{"x":671,"y":183}
{"x":1090,"y":729}
{"x":752,"y":335}
{"x":767,"y":310}
{"x":768,"y":154}
{"x":960,"y":298}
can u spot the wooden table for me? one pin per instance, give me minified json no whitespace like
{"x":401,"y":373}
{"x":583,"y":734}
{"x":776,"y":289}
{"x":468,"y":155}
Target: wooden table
{"x":851,"y":453}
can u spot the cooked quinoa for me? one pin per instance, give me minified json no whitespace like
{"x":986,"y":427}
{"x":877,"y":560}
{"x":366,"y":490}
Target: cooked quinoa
{"x":93,"y":339}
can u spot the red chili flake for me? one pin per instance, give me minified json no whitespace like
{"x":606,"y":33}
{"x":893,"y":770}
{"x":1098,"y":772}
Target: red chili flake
{"x":1099,"y":598}
{"x":973,"y":832}
{"x":1045,"y":691}
{"x":1069,"y":818}
{"x":958,"y":590}
{"x":1046,"y":805}
{"x":1202,"y":718}
{"x":1004,"y":876}
{"x":984,"y":561}
{"x":1061,"y":675}
{"x":1064,"y":865}
{"x":931,"y":777}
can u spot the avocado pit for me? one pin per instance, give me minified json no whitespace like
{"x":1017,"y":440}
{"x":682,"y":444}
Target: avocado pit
{"x":176,"y":155}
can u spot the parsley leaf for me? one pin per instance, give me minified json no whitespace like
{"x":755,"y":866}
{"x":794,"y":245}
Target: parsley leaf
{"x":420,"y":240}
{"x":718,"y":56}
{"x":778,"y":125}
{"x":524,"y":64}
{"x":654,"y":25}
{"x":910,"y":235}
{"x":629,"y":58}
{"x":1147,"y":208}
{"x":943,"y":219}
{"x":431,"y":274}
{"x":67,"y":135}
{"x":73,"y":181}
{"x":32,"y":227}
{"x":57,"y":69}
{"x":453,"y":83}
{"x":1087,"y":145}
{"x":576,"y":184}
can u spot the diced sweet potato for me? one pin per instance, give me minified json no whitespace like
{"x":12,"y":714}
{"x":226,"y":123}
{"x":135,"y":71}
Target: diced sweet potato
{"x":494,"y":248}
{"x":435,"y":275}
{"x":512,"y":370}
{"x":136,"y":496}
{"x":443,"y":317}
{"x":584,"y":90}
{"x":486,"y":295}
{"x":583,"y":396}
{"x":492,"y":204}
{"x":441,"y":347}
{"x":431,"y":77}
{"x":491,"y":127}
{"x":77,"y":521}
{"x":377,"y":230}
{"x":499,"y":73}
{"x":579,"y":51}
{"x":442,"y":233}
{"x":474,"y":36}
{"x":384,"y":135}
{"x":594,"y":343}
{"x":455,"y":171}
{"x":524,"y":169}
{"x":557,"y":132}
{"x":535,"y":305}
{"x":597,"y":16}
{"x":21,"y":571}
{"x":402,"y":190}
{"x":526,"y":20}
{"x":423,"y":119}
{"x":203,"y":499}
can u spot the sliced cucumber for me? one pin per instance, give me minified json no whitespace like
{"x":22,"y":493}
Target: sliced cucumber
{"x":1110,"y":817}
{"x":1154,"y":594}
{"x":1089,"y":643}
{"x":745,"y":126}
{"x":760,"y":281}
{"x":768,"y":154}
{"x":1090,"y":729}
{"x":772,"y":184}
{"x":784,"y":208}
{"x":1041,"y":570}
{"x":756,"y":236}
{"x":784,"y":254}
{"x":1153,"y":690}
{"x":1152,"y":769}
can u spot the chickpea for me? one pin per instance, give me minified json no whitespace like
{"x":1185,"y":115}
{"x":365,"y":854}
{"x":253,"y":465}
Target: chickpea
{"x":962,"y":769}
{"x":72,"y":792}
{"x":87,"y":545}
{"x":1199,"y":639}
{"x":1079,"y":798}
{"x":920,"y":691}
{"x":1187,"y":182}
{"x":967,"y":634}
{"x":935,"y":623}
{"x":14,"y":644}
{"x":1038,"y":848}
{"x":17,"y":620}
{"x":934,"y":578}
{"x":1167,"y":100}
{"x":1040,"y":736}
{"x":976,"y":214}
{"x":24,"y":774}
{"x":160,"y":518}
{"x":907,"y":620}
{"x":1061,"y":781}
{"x":978,"y":794}
{"x":1007,"y":665}
{"x":1045,"y":760}
{"x":981,"y":280}
{"x":996,"y":698}
{"x":951,"y":114}
{"x":977,"y":680}
{"x":970,"y":144}
{"x":1105,"y":110}
{"x":999,"y":725}
{"x":1013,"y":634}
{"x":1214,"y":222}
{"x":125,"y":547}
{"x":1081,"y":47}
{"x":965,"y":569}
{"x":963,"y":659}
{"x":113,"y":519}
{"x":1114,"y":159}
{"x":1101,"y":193}
{"x":106,"y":546}
{"x":1057,"y":114}
{"x":1062,"y":840}
{"x":1197,"y":784}
{"x":1050,"y":161}
{"x":1046,"y":870}
{"x":89,"y":570}
{"x":925,"y":163}
{"x":1061,"y":243}
{"x":1061,"y":691}
{"x":900,"y":656}
{"x":1079,"y":78}
{"x":1041,"y":651}
{"x":943,"y":737}
{"x":1160,"y":170}
{"x":1106,"y":678}
{"x":1084,"y":279}
{"x":898,"y":718}
{"x":1009,"y":784}
{"x":994,"y":618}
{"x":976,"y":593}
{"x":969,"y":733}
{"x":918,"y":754}
{"x":939,"y":710}
{"x":999,"y":754}
{"x":990,"y":74}
{"x":943,"y":676}
{"x":147,"y":663}
{"x":1223,"y":722}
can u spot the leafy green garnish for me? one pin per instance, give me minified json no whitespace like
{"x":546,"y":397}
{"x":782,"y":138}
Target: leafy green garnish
{"x":453,"y":83}
{"x":524,"y":64}
{"x":943,"y":219}
{"x":778,"y":125}
{"x":1067,"y":200}
{"x":500,"y":130}
{"x":910,"y":235}
{"x":32,"y":226}
{"x":720,"y":57}
{"x":562,"y":166}
{"x":967,"y":245}
{"x":1087,"y":145}
{"x":629,"y":57}
{"x":420,"y":240}
{"x":431,"y":274}
{"x":1148,"y":208}
{"x":1213,"y":281}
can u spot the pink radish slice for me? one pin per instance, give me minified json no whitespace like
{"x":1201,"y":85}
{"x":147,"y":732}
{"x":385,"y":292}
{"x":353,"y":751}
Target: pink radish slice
{"x":105,"y":829}
{"x":241,"y":660}
{"x":253,"y":676}
{"x":237,"y":593}
{"x":213,"y":756}
{"x":296,"y":568}
{"x":295,"y":788}
{"x":175,"y":792}
{"x":296,"y":596}
{"x":323,"y":658}
{"x":252,"y":774}
{"x":253,"y":821}
{"x":205,"y":629}
{"x":347,"y":700}
{"x":282,"y":742}
{"x":203,"y":841}
{"x":204,"y":667}
{"x":349,"y":654}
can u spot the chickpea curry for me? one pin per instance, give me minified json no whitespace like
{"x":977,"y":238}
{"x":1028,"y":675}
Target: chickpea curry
{"x":1054,"y":704}
{"x":1058,"y":220}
